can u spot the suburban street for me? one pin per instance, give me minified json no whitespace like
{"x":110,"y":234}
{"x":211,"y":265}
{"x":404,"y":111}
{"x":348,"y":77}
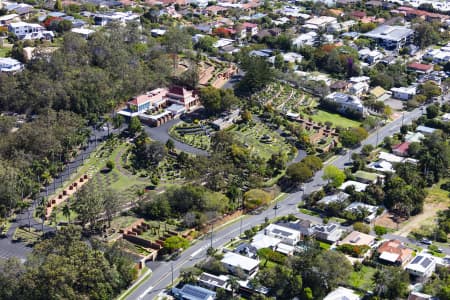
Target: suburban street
{"x":163,"y":273}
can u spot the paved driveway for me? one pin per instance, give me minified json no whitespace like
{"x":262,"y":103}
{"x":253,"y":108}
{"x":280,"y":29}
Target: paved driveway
{"x":161,"y":134}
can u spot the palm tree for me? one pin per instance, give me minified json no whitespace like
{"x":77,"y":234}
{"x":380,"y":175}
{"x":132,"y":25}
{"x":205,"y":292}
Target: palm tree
{"x":234,"y":284}
{"x":40,"y":213}
{"x":66,"y":212}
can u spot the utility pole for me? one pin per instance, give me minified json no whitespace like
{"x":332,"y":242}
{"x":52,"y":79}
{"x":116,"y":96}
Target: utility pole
{"x":212,"y":229}
{"x":171,"y":268}
{"x":240,"y":228}
{"x":403,"y":117}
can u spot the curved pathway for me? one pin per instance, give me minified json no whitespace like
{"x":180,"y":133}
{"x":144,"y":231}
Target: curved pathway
{"x":161,"y":134}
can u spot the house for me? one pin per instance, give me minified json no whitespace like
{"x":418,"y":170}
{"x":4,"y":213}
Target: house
{"x":382,"y":166}
{"x":358,"y":186}
{"x":391,"y":37}
{"x":213,"y":282}
{"x":303,"y":226}
{"x":262,"y":240}
{"x":346,"y":103}
{"x":401,"y":149}
{"x":305,"y":39}
{"x":367,"y":177}
{"x":358,"y":239}
{"x":445,"y":117}
{"x":420,"y":296}
{"x":250,"y":28}
{"x":233,"y":261}
{"x":84,"y":32}
{"x":339,"y":86}
{"x":29,"y":31}
{"x":7,"y":19}
{"x":226,"y":121}
{"x":120,"y":17}
{"x":414,"y":137}
{"x":286,"y":235}
{"x":394,"y":252}
{"x":342,"y":293}
{"x":423,"y":265}
{"x":319,"y":23}
{"x":192,"y":292}
{"x":157,"y":32}
{"x":327,"y":232}
{"x":359,"y":88}
{"x":377,"y":92}
{"x":9,"y":65}
{"x":246,"y":250}
{"x":420,"y":68}
{"x":339,"y":197}
{"x":370,"y":56}
{"x":425,"y":130}
{"x":390,"y":157}
{"x":359,"y":206}
{"x":404,"y":93}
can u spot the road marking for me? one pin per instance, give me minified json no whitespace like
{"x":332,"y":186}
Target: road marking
{"x":198,"y":251}
{"x":145,"y":293}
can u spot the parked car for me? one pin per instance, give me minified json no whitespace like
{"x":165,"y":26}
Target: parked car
{"x":426,"y":241}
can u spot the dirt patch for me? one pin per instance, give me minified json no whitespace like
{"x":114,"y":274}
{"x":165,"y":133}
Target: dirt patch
{"x":388,"y":220}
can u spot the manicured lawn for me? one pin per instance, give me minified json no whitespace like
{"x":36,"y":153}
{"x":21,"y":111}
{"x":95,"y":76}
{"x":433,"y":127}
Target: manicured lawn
{"x":324,"y":246}
{"x":252,"y":138}
{"x":336,"y":119}
{"x":363,"y":278}
{"x":4,"y":52}
{"x":308,"y":212}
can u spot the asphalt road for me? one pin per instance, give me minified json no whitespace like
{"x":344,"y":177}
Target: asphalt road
{"x":162,"y":274}
{"x":161,"y":134}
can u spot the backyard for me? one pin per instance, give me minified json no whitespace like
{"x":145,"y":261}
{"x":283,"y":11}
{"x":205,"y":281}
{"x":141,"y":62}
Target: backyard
{"x":362,"y":279}
{"x":321,"y":116}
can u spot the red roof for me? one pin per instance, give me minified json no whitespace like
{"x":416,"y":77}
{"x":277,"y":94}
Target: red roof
{"x":358,"y":14}
{"x":402,"y":148}
{"x":249,"y":25}
{"x":420,"y":67}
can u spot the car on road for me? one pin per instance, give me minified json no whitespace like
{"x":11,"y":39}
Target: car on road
{"x":439,"y":250}
{"x":277,"y":206}
{"x":426,"y":241}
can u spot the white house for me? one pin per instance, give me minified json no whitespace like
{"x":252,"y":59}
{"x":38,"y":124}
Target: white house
{"x":359,"y":88}
{"x":342,"y":293}
{"x":84,"y":32}
{"x":359,"y":187}
{"x":327,"y":232}
{"x":423,"y":265}
{"x":25,"y":30}
{"x":404,"y":93}
{"x":305,"y":39}
{"x":233,"y":261}
{"x":120,"y":17}
{"x":10,"y":65}
{"x":346,"y":103}
{"x":286,"y":235}
{"x":371,"y":209}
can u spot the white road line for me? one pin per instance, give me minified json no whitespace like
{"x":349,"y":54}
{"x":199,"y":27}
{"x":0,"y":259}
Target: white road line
{"x":145,"y":293}
{"x":198,"y":251}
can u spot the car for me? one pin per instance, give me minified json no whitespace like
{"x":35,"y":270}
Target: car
{"x":439,"y":250}
{"x":277,"y":206}
{"x":426,"y":241}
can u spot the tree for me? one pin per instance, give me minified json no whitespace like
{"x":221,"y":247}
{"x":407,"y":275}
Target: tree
{"x":110,"y":165}
{"x":258,"y":74}
{"x":391,"y":283}
{"x":176,"y":40}
{"x":255,"y":198}
{"x":170,"y":145}
{"x":313,"y":162}
{"x":361,"y":227}
{"x":66,"y":212}
{"x":333,"y":175}
{"x":433,"y":111}
{"x":134,"y":126}
{"x":88,"y":205}
{"x":233,"y":283}
{"x":217,"y":100}
{"x":58,"y":5}
{"x":111,"y":204}
{"x":175,"y":243}
{"x":430,"y":89}
{"x":299,"y":173}
{"x":352,"y":137}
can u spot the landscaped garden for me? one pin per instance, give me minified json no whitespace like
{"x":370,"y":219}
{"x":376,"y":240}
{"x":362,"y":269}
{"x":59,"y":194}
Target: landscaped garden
{"x":321,"y":116}
{"x":196,"y":134}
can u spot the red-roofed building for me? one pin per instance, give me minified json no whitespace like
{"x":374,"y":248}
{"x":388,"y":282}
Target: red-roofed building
{"x":215,"y":9}
{"x":394,"y":252}
{"x":420,"y":68}
{"x":358,"y":14}
{"x":401,"y":149}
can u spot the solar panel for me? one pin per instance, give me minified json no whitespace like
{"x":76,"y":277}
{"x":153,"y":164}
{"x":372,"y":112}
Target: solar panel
{"x":416,"y":260}
{"x":193,"y":291}
{"x":426,"y":262}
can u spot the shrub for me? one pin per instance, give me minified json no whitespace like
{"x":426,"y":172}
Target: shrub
{"x":110,"y":164}
{"x":361,"y":227}
{"x":255,"y":198}
{"x":380,"y":230}
{"x":353,"y":250}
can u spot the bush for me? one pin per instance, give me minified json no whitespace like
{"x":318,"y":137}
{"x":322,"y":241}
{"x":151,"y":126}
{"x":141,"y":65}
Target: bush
{"x":110,"y":164}
{"x":380,"y":230}
{"x":255,"y":198}
{"x":361,"y":227}
{"x":353,"y":250}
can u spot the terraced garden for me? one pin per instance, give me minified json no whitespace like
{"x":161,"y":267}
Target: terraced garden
{"x":196,"y":135}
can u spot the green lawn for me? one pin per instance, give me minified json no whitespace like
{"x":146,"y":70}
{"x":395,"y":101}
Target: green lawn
{"x":308,"y":212}
{"x":4,"y":52}
{"x":363,"y":278}
{"x":251,"y":136}
{"x":336,"y":119}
